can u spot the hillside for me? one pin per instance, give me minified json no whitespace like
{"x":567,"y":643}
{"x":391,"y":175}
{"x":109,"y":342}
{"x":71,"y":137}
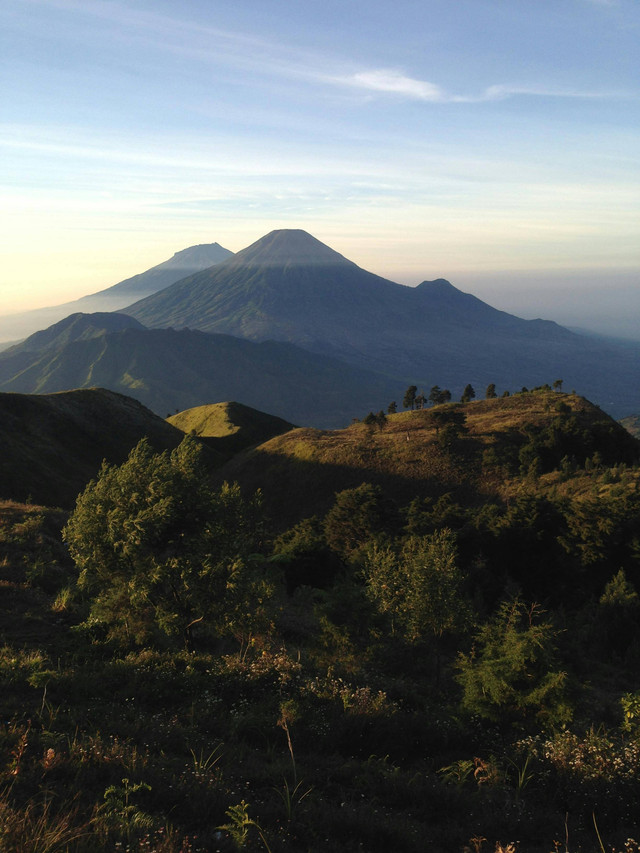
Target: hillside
{"x":170,"y":371}
{"x":413,"y":455}
{"x":183,"y":263}
{"x":447,"y":656}
{"x":32,"y":357}
{"x":632,"y":424}
{"x":229,"y":427}
{"x":288,"y":286}
{"x":51,"y":445}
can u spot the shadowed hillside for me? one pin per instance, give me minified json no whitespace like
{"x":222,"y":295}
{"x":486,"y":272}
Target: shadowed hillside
{"x":53,"y":444}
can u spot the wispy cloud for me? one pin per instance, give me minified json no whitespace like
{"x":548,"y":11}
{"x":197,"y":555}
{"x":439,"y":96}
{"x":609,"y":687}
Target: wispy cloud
{"x":394,"y":82}
{"x":390,"y":81}
{"x":247,"y":52}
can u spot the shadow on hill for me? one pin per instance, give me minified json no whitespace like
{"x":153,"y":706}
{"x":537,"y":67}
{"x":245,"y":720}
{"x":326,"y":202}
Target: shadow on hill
{"x":297,"y":488}
{"x":53,"y":444}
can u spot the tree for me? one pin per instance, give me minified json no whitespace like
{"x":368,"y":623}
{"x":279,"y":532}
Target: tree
{"x":491,"y":391}
{"x":381,"y":419}
{"x":557,"y":385}
{"x":358,"y":516}
{"x":452,"y":423}
{"x":419,"y":585}
{"x":392,"y":408}
{"x":410,"y":397}
{"x":158,"y":550}
{"x":510,"y":673}
{"x":438,"y":395}
{"x":420,"y":401}
{"x":468,"y":394}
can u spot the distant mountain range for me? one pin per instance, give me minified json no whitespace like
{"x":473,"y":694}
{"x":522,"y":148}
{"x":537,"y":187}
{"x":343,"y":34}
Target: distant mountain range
{"x":170,"y":370}
{"x":291,"y":327}
{"x":184,"y":263}
{"x":288,"y":286}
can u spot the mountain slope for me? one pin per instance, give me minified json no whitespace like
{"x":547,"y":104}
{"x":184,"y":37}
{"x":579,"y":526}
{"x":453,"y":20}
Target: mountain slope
{"x":229,"y":427}
{"x":51,"y":445}
{"x":300,"y":471}
{"x":290,"y":287}
{"x":170,"y":371}
{"x":183,"y":263}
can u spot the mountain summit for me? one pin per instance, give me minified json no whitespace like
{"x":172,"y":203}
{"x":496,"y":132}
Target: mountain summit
{"x":289,"y":246}
{"x":186,"y":262}
{"x":288,"y":286}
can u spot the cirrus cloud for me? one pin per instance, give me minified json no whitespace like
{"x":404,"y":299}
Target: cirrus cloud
{"x":392,"y":81}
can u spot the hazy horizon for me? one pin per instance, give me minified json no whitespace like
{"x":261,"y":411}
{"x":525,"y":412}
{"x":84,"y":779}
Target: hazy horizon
{"x":492,"y":144}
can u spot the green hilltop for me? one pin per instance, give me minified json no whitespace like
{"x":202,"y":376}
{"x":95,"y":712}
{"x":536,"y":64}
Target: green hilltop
{"x":229,"y":427}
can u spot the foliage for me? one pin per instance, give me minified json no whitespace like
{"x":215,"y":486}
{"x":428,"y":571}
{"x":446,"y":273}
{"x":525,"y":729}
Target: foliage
{"x":438,"y":395}
{"x":410,"y":397}
{"x":157,"y":548}
{"x":357,"y":516}
{"x":119,"y":809}
{"x":366,"y":668}
{"x":468,"y":394}
{"x":305,"y":557}
{"x":510,"y":672}
{"x":419,"y":586}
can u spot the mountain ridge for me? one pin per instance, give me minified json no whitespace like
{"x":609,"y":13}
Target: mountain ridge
{"x":432,"y":334}
{"x":14,"y":327}
{"x":169,"y":370}
{"x":53,"y":444}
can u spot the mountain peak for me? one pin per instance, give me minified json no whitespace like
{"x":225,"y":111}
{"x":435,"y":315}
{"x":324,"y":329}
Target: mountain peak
{"x":438,"y":285}
{"x":197,"y":257}
{"x":289,"y":246}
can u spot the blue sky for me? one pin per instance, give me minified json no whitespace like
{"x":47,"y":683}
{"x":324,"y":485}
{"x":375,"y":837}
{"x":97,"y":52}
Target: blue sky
{"x":492,"y":142}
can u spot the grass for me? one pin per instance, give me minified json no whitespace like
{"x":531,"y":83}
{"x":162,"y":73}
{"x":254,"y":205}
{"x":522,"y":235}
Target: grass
{"x":301,"y":470}
{"x":229,"y":427}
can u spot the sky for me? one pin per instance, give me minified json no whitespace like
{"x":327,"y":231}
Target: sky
{"x":495,"y":143}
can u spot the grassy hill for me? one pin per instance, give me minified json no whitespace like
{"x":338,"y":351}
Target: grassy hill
{"x":632,"y":424}
{"x":300,"y":471}
{"x":229,"y":427}
{"x":51,"y":445}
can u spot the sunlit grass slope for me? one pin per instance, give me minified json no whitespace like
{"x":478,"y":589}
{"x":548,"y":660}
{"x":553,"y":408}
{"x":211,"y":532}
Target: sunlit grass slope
{"x":411,"y":455}
{"x":229,"y":427}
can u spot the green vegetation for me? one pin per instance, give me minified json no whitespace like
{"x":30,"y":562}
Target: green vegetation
{"x":408,"y":643}
{"x":229,"y":428}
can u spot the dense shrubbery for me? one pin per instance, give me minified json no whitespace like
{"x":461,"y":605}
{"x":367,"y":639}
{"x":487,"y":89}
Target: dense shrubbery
{"x":383,"y":676}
